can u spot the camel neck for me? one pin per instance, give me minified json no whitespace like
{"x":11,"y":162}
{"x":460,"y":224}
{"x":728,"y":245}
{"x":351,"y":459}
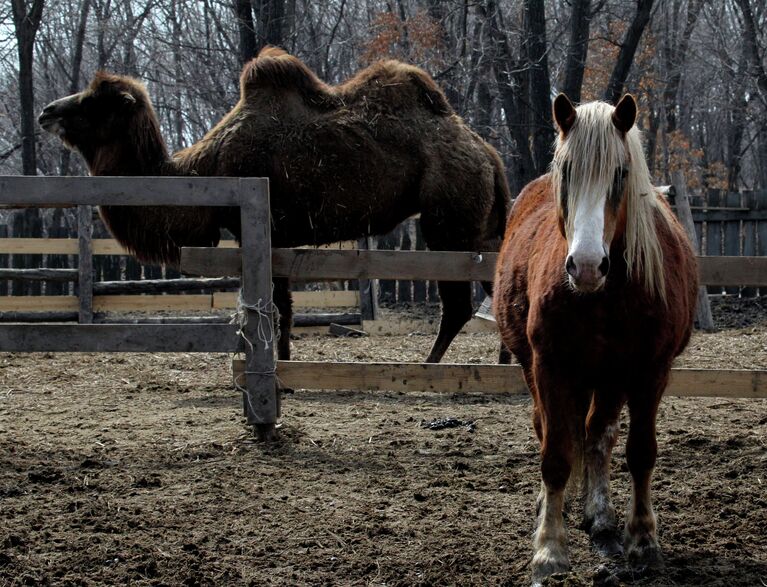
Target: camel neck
{"x":143,"y":153}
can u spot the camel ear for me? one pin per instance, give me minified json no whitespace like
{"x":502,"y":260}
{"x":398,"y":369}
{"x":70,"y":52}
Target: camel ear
{"x":128,"y":98}
{"x":625,"y":113}
{"x":564,"y":113}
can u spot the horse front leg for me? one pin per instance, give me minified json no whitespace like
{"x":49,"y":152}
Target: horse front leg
{"x":555,"y":419}
{"x":601,"y":434}
{"x":640,"y":538}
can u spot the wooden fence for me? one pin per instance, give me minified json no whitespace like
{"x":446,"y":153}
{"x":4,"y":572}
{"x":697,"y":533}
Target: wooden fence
{"x":256,"y":263}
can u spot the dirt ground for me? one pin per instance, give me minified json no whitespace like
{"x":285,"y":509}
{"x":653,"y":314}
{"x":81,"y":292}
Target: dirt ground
{"x":138,"y":469}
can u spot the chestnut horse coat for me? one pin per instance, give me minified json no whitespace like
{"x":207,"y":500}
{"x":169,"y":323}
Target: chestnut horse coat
{"x":616,"y":338}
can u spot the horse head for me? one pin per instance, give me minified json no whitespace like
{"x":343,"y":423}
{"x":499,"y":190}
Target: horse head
{"x":591,"y":175}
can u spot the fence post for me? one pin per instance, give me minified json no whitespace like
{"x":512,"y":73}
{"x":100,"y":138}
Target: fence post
{"x":85,"y":264}
{"x":703,"y":312}
{"x":257,"y":328}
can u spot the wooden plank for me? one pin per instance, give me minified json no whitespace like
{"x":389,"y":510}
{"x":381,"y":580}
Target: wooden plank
{"x":43,"y":274}
{"x":260,"y":397}
{"x":732,"y":238}
{"x":402,"y":327}
{"x":465,"y":378}
{"x":108,"y":303}
{"x":106,"y":246}
{"x":302,"y":299}
{"x":713,"y":247}
{"x":152,"y":303}
{"x":703,"y":309}
{"x":157,"y":286}
{"x":719,"y":271}
{"x":128,"y":338}
{"x":324,"y":265}
{"x":749,"y":242}
{"x":125,"y":191}
{"x":38,"y":303}
{"x":445,"y":265}
{"x":760,"y":203}
{"x":85,"y":264}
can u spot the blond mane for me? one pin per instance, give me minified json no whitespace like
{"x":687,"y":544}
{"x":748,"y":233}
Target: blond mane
{"x":594,"y":149}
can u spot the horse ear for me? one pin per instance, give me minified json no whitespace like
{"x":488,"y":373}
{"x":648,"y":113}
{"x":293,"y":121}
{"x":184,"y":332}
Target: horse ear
{"x":564,"y":113}
{"x":625,"y":113}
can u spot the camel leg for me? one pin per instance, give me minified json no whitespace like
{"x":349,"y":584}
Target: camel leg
{"x":456,"y":311}
{"x":556,"y":417}
{"x":598,"y":511}
{"x":640,"y":539}
{"x":284,"y":302}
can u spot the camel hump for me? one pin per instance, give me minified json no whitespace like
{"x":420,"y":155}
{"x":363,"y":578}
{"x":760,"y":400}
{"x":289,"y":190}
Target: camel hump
{"x":432,"y":95}
{"x":403,"y":86}
{"x":276,"y":69}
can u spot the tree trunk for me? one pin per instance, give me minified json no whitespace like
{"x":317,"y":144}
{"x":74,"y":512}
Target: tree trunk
{"x":271,"y":14}
{"x":675,"y":63}
{"x":539,"y":103}
{"x":511,"y":87}
{"x":247,"y":30}
{"x":628,"y":49}
{"x":74,"y":77}
{"x":577,"y":49}
{"x":27,"y":23}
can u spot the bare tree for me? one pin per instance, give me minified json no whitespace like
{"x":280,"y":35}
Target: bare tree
{"x":628,"y":50}
{"x":26,"y":21}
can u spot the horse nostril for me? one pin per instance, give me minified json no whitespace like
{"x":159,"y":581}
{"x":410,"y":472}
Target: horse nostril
{"x":604,"y":266}
{"x":570,"y":265}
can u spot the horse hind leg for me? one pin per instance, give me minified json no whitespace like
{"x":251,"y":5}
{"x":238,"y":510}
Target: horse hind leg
{"x":640,"y":540}
{"x":504,"y":354}
{"x":457,"y":309}
{"x":598,"y":511}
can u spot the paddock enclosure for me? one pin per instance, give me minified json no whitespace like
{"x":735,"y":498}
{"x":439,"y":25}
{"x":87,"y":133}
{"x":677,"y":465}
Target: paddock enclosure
{"x":139,"y":468}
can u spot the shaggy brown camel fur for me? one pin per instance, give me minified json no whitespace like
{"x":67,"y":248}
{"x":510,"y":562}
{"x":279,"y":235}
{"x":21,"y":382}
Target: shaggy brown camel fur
{"x":343,"y":162}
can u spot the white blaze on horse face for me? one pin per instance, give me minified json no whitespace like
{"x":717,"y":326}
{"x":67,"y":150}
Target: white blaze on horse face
{"x":586,"y":258}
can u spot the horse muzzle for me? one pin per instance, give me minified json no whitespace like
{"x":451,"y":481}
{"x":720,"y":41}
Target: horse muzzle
{"x":587,"y":274}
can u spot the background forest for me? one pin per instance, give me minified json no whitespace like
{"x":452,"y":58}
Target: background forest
{"x":697,"y":66}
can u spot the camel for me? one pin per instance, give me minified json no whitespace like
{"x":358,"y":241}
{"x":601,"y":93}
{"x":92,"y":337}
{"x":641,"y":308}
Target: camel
{"x":343,"y":162}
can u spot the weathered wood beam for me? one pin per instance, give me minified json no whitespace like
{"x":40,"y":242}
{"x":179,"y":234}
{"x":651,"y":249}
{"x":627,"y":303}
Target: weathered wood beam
{"x":326,"y":265}
{"x":158,"y":286}
{"x":458,"y":378}
{"x":450,"y":266}
{"x":126,"y":191}
{"x":42,"y":274}
{"x":109,"y":338}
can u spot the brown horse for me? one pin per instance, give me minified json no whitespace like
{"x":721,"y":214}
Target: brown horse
{"x":343,"y":162}
{"x":595,"y":292}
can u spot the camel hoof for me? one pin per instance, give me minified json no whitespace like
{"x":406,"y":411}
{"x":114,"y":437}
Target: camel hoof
{"x":606,"y":544}
{"x":265,"y":432}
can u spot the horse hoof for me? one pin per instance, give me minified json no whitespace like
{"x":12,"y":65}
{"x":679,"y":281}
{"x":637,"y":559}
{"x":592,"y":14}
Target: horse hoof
{"x":606,"y":544}
{"x":644,"y":554}
{"x":547,"y":562}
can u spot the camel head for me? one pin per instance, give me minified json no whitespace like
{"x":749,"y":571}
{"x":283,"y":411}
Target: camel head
{"x":111,"y":111}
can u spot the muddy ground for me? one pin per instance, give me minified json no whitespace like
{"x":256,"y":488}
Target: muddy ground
{"x":138,"y":469}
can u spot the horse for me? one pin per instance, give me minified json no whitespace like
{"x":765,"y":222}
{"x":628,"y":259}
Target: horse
{"x":595,"y":290}
{"x":343,"y":162}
